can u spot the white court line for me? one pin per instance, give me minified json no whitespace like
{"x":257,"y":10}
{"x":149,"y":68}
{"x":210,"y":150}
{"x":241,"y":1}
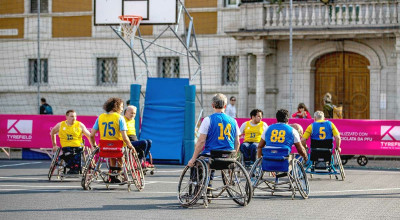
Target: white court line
{"x":168,"y":171}
{"x":151,"y":182}
{"x":21,"y":178}
{"x":43,"y":186}
{"x":19,"y":164}
{"x":356,"y":190}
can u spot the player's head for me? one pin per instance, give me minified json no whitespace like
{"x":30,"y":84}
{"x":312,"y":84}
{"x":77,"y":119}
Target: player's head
{"x":256,"y":114}
{"x":43,"y":100}
{"x":219,"y":101}
{"x":70,"y":115}
{"x":282,"y":115}
{"x":130,"y":112}
{"x":114,"y":104}
{"x":319,"y":115}
{"x":298,"y":128}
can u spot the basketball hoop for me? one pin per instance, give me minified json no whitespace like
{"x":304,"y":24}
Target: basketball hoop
{"x":129,"y":25}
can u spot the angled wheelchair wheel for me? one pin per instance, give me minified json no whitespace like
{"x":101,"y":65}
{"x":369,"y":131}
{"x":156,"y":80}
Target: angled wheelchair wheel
{"x":238,"y":184}
{"x":256,"y":173}
{"x":54,"y":163}
{"x":91,"y":169}
{"x":339,"y":165}
{"x":136,"y":170}
{"x":192,"y":183}
{"x":300,"y":177}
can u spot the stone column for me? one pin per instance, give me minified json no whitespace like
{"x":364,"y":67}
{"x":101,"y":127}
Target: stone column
{"x":260,"y":82}
{"x":242,"y":102}
{"x":398,"y":76}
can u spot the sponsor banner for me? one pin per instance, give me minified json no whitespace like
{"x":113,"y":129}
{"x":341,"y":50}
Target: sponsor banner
{"x":33,"y":131}
{"x":359,"y":137}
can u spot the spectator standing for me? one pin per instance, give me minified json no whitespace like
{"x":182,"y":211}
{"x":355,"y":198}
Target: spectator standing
{"x":45,"y":109}
{"x":230,"y":108}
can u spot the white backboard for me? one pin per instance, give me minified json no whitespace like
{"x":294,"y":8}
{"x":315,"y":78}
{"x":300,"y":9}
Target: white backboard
{"x":106,"y":12}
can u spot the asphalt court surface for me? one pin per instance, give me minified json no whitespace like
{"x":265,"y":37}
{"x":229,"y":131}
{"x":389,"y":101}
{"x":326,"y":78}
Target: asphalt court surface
{"x":26,"y":193}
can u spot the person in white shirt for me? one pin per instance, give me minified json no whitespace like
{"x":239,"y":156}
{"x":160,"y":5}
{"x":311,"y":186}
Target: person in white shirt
{"x":252,"y":131}
{"x":230,"y":108}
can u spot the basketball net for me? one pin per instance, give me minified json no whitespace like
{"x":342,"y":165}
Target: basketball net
{"x":129,"y":25}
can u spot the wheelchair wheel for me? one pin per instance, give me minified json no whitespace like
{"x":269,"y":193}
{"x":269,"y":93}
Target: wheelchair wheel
{"x":238,"y":184}
{"x":191,"y":184}
{"x":54,"y":163}
{"x":300,"y":177}
{"x":340,"y":165}
{"x":136,"y":170}
{"x":91,"y":170}
{"x":256,"y":173}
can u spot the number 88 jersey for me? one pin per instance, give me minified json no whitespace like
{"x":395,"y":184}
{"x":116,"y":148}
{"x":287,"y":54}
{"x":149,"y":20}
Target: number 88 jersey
{"x":279,"y":135}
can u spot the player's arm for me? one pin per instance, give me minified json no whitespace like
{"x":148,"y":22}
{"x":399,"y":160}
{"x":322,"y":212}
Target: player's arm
{"x":297,"y":143}
{"x":338,"y":140}
{"x":197,"y":149}
{"x":86,"y":132}
{"x":261,"y":144}
{"x":126,"y":140}
{"x":92,"y":137}
{"x":306,"y":135}
{"x":53,"y":134}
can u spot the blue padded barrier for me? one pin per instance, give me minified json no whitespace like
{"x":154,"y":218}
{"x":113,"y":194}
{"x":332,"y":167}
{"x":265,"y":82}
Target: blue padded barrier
{"x":164,"y":118}
{"x":135,"y":100}
{"x":188,"y":137}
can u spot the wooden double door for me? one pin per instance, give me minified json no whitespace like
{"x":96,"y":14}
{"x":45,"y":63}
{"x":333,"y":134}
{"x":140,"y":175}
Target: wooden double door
{"x":346,"y":76}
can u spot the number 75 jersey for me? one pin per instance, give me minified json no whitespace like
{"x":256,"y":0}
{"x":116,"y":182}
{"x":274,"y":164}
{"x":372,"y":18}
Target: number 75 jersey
{"x":110,"y":126}
{"x":279,"y":135}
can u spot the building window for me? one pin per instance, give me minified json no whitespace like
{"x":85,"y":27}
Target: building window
{"x":44,"y":6}
{"x":107,"y":71}
{"x":230,"y":70}
{"x":168,"y":67}
{"x":232,"y":3}
{"x":34,"y":72}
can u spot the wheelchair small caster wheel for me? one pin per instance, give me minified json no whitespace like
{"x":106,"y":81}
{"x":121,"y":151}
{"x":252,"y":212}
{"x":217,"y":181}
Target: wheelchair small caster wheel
{"x":151,"y":172}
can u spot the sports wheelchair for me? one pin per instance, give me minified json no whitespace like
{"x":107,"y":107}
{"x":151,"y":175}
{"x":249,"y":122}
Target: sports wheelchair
{"x":97,"y":168}
{"x":286,"y":173}
{"x":199,"y":182}
{"x":323,"y":162}
{"x":58,"y":162}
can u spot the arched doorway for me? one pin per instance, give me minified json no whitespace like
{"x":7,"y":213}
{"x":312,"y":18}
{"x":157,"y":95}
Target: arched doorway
{"x":346,"y":76}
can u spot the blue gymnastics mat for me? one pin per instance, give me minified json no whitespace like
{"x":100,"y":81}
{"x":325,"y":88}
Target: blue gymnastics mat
{"x":164,"y":118}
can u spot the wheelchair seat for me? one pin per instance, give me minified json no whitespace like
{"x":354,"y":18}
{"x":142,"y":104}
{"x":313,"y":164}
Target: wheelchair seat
{"x":222,"y":159}
{"x":275,"y":159}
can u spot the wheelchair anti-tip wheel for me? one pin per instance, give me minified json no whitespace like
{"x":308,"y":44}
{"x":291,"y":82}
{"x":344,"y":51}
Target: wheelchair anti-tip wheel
{"x":238,"y":183}
{"x":191,"y":184}
{"x":300,"y":177}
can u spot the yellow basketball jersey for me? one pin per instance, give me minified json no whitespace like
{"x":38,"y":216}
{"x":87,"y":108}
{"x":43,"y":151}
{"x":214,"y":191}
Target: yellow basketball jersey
{"x":130,"y":124}
{"x":109,"y":126}
{"x":70,"y":136}
{"x":253,"y":133}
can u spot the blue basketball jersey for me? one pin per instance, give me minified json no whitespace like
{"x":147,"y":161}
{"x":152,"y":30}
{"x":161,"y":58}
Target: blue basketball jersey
{"x":279,"y":135}
{"x":221,"y":133}
{"x":322,"y":130}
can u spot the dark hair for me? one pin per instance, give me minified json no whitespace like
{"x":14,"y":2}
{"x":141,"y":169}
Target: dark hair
{"x":232,"y":97}
{"x":69,"y":111}
{"x":302,"y":105}
{"x":254,"y":112}
{"x":128,"y":102}
{"x":112,"y":104}
{"x":43,"y":99}
{"x":282,"y":115}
